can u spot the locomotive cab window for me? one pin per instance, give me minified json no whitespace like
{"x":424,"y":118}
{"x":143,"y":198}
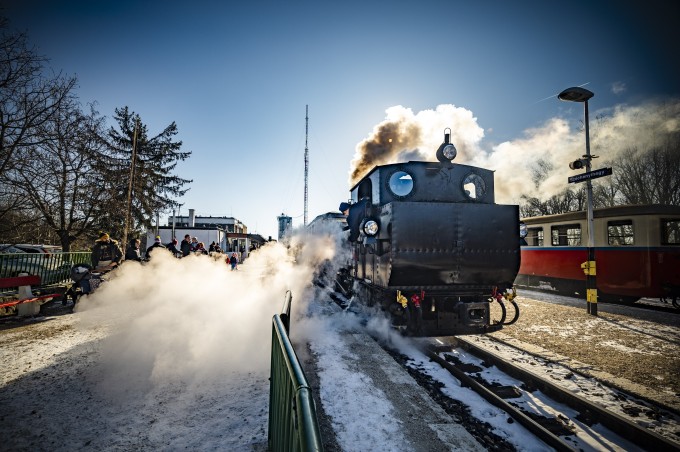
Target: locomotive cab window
{"x":474,"y":186}
{"x":566,"y":235}
{"x":400,"y":184}
{"x":620,"y":233}
{"x":670,"y":230}
{"x":534,"y":236}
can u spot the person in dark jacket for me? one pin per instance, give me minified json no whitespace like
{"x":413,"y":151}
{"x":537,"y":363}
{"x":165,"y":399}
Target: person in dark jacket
{"x":156,"y":244}
{"x":172,"y":247}
{"x":355,"y":214}
{"x":185,"y":246}
{"x":106,"y":253}
{"x":133,"y":253}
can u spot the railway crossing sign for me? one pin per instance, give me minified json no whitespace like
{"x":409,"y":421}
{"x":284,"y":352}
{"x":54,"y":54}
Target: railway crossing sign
{"x":590,"y":175}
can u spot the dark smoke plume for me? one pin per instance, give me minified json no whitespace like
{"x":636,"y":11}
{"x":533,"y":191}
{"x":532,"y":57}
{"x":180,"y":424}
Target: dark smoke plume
{"x":390,"y":142}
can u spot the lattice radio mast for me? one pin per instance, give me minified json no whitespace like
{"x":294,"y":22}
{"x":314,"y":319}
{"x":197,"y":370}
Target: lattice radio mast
{"x":306,"y":158}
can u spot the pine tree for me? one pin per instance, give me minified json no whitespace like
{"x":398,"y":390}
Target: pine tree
{"x":154,"y":187}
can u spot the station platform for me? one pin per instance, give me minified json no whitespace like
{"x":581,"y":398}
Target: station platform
{"x":421,"y":423}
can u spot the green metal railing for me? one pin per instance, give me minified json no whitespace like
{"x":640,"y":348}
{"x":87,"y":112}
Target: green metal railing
{"x":53,"y":268}
{"x":293,"y":425}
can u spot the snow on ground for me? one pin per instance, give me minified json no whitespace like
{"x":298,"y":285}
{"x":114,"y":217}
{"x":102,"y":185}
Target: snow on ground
{"x":361,"y":414}
{"x":174,"y":354}
{"x":170,"y":354}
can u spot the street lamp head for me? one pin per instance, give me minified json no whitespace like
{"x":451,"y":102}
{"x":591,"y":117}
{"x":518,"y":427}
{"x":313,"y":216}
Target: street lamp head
{"x":575,"y":94}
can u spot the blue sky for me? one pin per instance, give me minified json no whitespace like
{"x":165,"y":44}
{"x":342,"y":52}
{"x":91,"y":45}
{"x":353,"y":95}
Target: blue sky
{"x":236,"y":77}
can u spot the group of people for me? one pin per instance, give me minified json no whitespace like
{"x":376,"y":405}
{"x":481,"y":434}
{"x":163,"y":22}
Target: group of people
{"x":106,"y":253}
{"x":192,"y":245}
{"x":134,"y":251}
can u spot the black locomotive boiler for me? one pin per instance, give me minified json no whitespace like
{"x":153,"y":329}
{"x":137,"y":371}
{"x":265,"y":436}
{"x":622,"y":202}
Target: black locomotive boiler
{"x":431,"y":247}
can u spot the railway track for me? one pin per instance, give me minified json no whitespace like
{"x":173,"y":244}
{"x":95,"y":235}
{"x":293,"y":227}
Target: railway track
{"x":559,"y":415}
{"x":644,"y":304}
{"x":566,"y":409}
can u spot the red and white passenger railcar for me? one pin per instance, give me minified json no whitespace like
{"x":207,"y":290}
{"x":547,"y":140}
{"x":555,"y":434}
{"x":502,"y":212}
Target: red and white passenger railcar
{"x":637,"y":252}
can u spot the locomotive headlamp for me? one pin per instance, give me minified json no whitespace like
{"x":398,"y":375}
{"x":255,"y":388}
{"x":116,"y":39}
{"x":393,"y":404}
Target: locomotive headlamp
{"x":371,"y":228}
{"x":447,"y":151}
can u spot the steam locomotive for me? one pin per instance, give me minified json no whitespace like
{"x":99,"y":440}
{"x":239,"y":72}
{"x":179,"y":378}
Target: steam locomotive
{"x":431,"y":247}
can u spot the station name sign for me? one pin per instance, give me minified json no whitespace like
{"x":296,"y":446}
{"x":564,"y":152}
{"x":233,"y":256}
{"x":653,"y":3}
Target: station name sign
{"x":590,"y":175}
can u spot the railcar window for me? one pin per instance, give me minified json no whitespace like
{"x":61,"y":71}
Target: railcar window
{"x":474,"y":186}
{"x":401,"y":183}
{"x":671,"y":232}
{"x":566,"y":235}
{"x":535,"y":236}
{"x":620,"y":233}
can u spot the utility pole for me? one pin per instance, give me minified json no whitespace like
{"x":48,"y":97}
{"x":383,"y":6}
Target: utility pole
{"x":128,"y":208}
{"x":306,"y":159}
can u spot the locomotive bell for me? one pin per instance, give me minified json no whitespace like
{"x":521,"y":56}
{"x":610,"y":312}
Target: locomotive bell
{"x":447,"y":151}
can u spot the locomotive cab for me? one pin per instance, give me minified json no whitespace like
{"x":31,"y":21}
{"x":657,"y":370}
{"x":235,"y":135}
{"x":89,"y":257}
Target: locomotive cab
{"x":430,"y":233}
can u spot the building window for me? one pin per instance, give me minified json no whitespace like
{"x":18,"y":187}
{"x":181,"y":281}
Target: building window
{"x":670,"y":232}
{"x":535,"y":236}
{"x":566,"y":235}
{"x":620,"y":233}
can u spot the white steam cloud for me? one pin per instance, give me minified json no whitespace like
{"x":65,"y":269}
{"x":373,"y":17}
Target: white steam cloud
{"x":404,"y":136}
{"x":195,"y":320}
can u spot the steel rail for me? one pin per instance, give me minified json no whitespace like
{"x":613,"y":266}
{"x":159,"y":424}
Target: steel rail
{"x":614,"y":422}
{"x":585,"y":374}
{"x":541,"y":432}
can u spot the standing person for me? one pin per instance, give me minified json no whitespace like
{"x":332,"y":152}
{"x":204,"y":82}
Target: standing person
{"x":172,"y":247}
{"x":133,"y":253}
{"x":185,"y":246}
{"x":233,"y":260}
{"x":105,"y":253}
{"x":156,"y":244}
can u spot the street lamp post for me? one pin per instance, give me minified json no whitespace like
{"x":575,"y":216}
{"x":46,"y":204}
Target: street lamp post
{"x":578,"y":94}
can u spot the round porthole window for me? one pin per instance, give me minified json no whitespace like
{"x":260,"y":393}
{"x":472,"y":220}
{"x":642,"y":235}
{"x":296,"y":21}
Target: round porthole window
{"x":474,"y":186}
{"x":400,"y":183}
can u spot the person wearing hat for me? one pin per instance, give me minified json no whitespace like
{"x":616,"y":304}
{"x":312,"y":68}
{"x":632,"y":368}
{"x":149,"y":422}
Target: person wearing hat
{"x":106,"y":253}
{"x":355,"y":214}
{"x":156,"y":244}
